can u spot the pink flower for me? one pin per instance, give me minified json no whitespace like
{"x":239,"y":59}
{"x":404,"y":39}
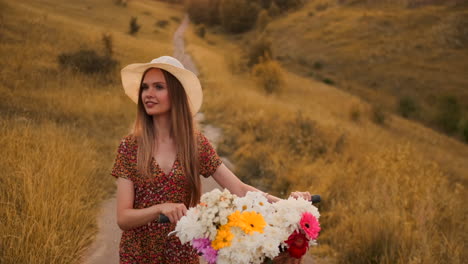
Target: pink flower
{"x":310,"y":225}
{"x":210,"y":255}
{"x":203,"y":247}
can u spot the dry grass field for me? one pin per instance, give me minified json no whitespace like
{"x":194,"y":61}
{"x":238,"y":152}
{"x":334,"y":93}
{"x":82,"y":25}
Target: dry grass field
{"x":407,"y":56}
{"x":59,"y":129}
{"x":393,"y":192}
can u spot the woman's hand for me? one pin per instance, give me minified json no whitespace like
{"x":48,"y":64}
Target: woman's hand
{"x":174,"y":211}
{"x":305,"y":195}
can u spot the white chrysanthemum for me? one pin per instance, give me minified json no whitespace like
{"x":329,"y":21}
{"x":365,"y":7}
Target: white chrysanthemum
{"x":189,"y":227}
{"x":238,"y":252}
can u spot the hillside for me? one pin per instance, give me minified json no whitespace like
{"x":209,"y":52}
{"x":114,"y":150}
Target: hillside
{"x":411,"y":59}
{"x":394,"y":192}
{"x":381,"y":182}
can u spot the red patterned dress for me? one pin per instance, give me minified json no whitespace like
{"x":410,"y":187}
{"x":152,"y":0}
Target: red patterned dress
{"x":150,"y":243}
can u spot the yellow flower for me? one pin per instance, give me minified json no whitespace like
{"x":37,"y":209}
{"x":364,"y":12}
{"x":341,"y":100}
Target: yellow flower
{"x":223,"y":238}
{"x":251,"y":222}
{"x":235,"y":219}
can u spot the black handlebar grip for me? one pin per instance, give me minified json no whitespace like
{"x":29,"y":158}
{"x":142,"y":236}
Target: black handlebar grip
{"x":316,"y":199}
{"x":163,"y":219}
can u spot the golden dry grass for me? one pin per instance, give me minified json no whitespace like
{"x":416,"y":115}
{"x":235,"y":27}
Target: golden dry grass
{"x":59,"y":130}
{"x":392,"y":194}
{"x":381,"y":51}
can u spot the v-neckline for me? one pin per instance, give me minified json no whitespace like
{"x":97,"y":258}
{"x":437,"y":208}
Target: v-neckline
{"x":172,"y":167}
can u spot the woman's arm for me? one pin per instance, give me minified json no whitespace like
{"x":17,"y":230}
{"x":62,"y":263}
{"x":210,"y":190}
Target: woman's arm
{"x":224,"y":177}
{"x":129,"y":218}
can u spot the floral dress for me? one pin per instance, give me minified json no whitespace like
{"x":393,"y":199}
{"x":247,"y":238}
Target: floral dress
{"x":150,"y":243}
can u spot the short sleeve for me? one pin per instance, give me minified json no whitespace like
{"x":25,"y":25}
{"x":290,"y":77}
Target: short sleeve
{"x":209,"y":159}
{"x":125,"y":161}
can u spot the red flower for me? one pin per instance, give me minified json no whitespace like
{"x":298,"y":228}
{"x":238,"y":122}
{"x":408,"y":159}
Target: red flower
{"x":298,"y":244}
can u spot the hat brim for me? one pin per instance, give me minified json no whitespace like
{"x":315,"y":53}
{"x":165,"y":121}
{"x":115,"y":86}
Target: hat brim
{"x":132,"y":74}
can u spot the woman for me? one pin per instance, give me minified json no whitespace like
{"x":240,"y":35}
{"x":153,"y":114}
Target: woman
{"x":159,"y":164}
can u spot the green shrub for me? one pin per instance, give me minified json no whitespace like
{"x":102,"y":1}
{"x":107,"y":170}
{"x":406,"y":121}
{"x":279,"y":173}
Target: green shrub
{"x":328,"y":81}
{"x":407,"y":106}
{"x":260,"y":50}
{"x":87,"y":61}
{"x":269,"y":75}
{"x":449,"y":114}
{"x":134,"y":26}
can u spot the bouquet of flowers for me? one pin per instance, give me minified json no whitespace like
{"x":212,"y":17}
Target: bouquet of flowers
{"x":228,"y":229}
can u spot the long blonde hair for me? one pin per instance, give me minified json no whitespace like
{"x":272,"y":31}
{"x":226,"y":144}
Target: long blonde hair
{"x":182,"y":131}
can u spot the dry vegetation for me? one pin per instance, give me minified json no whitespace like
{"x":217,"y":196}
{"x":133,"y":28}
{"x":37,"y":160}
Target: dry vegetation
{"x":393,"y":193}
{"x":408,"y":56}
{"x":59,"y":128}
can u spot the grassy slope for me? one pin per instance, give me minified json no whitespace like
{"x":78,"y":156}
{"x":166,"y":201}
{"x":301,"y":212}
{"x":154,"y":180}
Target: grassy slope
{"x":378,"y":181}
{"x":59,"y":129}
{"x":379,"y":52}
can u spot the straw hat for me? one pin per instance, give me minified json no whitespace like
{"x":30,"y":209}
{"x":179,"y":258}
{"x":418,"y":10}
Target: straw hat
{"x":132,"y":75}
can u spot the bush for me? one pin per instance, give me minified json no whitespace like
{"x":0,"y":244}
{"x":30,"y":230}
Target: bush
{"x":108,"y":43}
{"x":121,"y":3}
{"x":289,"y":4}
{"x":321,"y":7}
{"x":449,"y":114}
{"x":162,"y":23}
{"x":379,"y":116}
{"x":465,"y":132}
{"x":407,"y":106}
{"x":355,"y":113}
{"x":328,"y":81}
{"x":87,"y":61}
{"x":203,"y":11}
{"x":200,"y":31}
{"x":175,"y":19}
{"x":263,"y":19}
{"x":260,"y":50}
{"x":305,"y":139}
{"x":269,"y":75}
{"x":238,"y":16}
{"x":134,"y":26}
{"x":318,"y":65}
{"x":274,"y":10}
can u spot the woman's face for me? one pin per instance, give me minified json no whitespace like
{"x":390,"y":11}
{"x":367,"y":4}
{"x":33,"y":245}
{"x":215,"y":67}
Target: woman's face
{"x":154,"y":93}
